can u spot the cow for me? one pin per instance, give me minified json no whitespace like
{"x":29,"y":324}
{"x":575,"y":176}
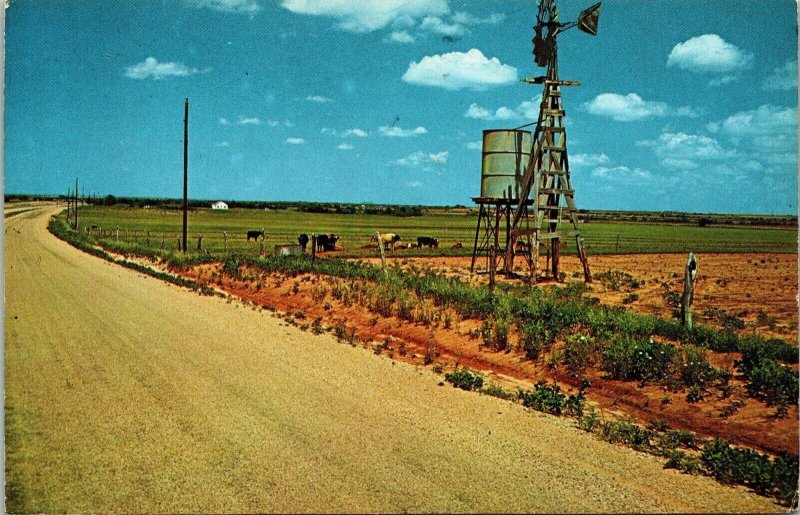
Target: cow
{"x":458,"y":245}
{"x":388,"y":239}
{"x":326,"y":242}
{"x":303,"y":241}
{"x":427,"y":241}
{"x":256,"y":235}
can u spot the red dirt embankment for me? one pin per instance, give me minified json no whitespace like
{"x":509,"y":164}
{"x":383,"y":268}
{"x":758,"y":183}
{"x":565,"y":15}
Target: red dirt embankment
{"x":724,"y":278}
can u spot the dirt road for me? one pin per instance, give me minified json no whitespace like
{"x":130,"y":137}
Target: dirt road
{"x":126,"y":394}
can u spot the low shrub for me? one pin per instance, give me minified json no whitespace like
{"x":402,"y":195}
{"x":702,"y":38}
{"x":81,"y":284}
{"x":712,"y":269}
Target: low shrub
{"x":465,"y":379}
{"x":629,"y":359}
{"x":548,"y":399}
{"x":732,"y":465}
{"x":580,"y":352}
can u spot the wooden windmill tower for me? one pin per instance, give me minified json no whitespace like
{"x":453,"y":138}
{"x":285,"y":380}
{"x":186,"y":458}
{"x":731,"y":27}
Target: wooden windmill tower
{"x":547,"y":178}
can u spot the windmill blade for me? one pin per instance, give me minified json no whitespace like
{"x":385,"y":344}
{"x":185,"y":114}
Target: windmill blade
{"x":587,"y":21}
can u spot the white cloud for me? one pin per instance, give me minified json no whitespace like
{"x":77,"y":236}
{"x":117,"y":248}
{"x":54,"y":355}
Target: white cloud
{"x":782,"y":78}
{"x":458,"y":70}
{"x":275,"y":123}
{"x":474,"y":145}
{"x":398,"y":132}
{"x":414,"y":184}
{"x":708,"y":53}
{"x":501,"y":113}
{"x":587,"y":159}
{"x":625,"y":108}
{"x":344,"y":146}
{"x":250,"y":7}
{"x":295,"y":141}
{"x":421,"y":158}
{"x":222,"y":144}
{"x":368,"y":16}
{"x":468,"y":19}
{"x":685,"y":150}
{"x":767,"y":120}
{"x":358,"y":133}
{"x":440,"y":158}
{"x":319,"y":99}
{"x":150,"y":68}
{"x":721,"y":81}
{"x":620,"y":172}
{"x":478,"y":112}
{"x":401,"y":36}
{"x":244,"y":120}
{"x":435,"y":24}
{"x":355,"y":132}
{"x":767,"y":134}
{"x":224,"y":121}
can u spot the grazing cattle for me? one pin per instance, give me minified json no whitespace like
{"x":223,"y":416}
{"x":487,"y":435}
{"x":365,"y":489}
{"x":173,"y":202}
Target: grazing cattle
{"x":326,"y":242}
{"x":426,"y":241}
{"x":388,"y":240}
{"x":255,"y":235}
{"x":303,"y":241}
{"x":457,"y":245}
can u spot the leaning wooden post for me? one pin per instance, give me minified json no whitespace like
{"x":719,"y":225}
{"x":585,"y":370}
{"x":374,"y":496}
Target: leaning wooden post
{"x":225,"y":240}
{"x":380,"y":248}
{"x":200,"y":244}
{"x":262,"y":250}
{"x":179,"y":244}
{"x":118,"y":233}
{"x":689,"y":279}
{"x":148,"y":238}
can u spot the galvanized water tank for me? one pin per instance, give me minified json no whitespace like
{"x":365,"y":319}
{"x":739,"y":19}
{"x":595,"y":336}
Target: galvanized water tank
{"x":505,"y":158}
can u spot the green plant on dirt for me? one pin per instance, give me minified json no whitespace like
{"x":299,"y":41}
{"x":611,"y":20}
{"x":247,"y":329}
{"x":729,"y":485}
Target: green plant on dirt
{"x":616,"y":280}
{"x":733,"y":465}
{"x":636,"y":359}
{"x":497,"y":391}
{"x":465,"y":379}
{"x":624,"y":430}
{"x":682,"y":461}
{"x":580,"y":352}
{"x":548,"y":399}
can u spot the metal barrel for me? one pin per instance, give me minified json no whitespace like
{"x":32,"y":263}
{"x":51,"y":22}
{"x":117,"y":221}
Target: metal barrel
{"x":506,"y":154}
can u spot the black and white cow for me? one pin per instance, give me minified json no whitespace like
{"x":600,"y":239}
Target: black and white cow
{"x":427,"y":241}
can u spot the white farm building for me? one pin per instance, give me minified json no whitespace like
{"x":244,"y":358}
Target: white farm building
{"x":219,"y":205}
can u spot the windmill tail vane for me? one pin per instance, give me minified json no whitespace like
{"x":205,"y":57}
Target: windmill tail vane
{"x":549,"y":18}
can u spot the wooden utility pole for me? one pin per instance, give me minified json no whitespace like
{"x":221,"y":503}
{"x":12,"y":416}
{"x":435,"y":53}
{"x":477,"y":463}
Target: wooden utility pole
{"x":76,"y":203}
{"x":185,"y":171}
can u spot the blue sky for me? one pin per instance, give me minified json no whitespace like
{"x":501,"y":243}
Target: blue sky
{"x":684,"y":105}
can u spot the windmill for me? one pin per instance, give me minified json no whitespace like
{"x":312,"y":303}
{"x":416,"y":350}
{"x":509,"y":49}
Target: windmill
{"x":547,"y":180}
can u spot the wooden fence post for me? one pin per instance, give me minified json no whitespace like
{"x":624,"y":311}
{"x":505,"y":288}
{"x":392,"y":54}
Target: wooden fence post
{"x":179,"y":244}
{"x":148,"y":238}
{"x":689,"y":279}
{"x":200,"y":244}
{"x":162,"y":240}
{"x":225,"y":240}
{"x":383,"y":256}
{"x":313,"y":249}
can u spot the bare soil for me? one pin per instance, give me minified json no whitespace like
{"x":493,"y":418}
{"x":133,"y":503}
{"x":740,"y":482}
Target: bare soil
{"x":723,"y":278}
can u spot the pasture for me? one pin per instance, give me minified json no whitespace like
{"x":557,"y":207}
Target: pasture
{"x":355,"y":230}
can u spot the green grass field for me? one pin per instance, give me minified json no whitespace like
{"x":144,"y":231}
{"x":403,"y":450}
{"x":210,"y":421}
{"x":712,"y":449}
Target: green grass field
{"x":283,"y":226}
